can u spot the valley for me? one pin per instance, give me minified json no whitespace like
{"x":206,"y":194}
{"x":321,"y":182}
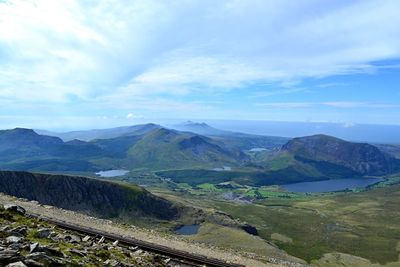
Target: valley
{"x":199,"y":133}
{"x":362,"y":223}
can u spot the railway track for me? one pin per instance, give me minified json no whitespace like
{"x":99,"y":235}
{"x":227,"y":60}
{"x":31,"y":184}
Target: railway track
{"x":147,"y":246}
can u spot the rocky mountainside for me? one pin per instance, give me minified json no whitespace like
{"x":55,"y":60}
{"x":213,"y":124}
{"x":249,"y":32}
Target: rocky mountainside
{"x":362,"y":158}
{"x":96,"y":197}
{"x":28,"y":242}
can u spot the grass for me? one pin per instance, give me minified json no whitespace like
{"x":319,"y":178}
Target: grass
{"x":233,"y":238}
{"x":209,"y":187}
{"x":259,"y":193}
{"x":363,"y":224}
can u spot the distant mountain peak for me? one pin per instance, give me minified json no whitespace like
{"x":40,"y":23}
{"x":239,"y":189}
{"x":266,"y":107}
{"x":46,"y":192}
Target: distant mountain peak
{"x":23,"y":130}
{"x":192,"y":123}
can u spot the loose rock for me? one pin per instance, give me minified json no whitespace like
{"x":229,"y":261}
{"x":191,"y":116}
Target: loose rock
{"x":14,"y":239}
{"x":15,"y":208}
{"x":16,"y":264}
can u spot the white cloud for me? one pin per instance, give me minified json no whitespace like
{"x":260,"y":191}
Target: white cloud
{"x":148,"y":55}
{"x":90,"y":49}
{"x":133,"y":116}
{"x":348,"y":125}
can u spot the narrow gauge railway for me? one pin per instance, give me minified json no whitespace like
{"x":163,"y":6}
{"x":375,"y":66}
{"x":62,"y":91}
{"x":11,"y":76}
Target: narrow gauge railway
{"x":186,"y":257}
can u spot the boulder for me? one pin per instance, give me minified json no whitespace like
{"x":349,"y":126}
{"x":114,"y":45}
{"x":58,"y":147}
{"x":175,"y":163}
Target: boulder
{"x":15,"y":208}
{"x":16,"y":264}
{"x":14,"y":239}
{"x":9,"y":255}
{"x":33,"y":247}
{"x":101,"y":240}
{"x":86,"y":238}
{"x":72,"y":238}
{"x":43,"y":233}
{"x":19,"y":231}
{"x":33,"y":263}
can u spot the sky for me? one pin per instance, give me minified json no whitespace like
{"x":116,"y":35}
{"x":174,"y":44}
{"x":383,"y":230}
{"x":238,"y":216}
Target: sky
{"x":75,"y":64}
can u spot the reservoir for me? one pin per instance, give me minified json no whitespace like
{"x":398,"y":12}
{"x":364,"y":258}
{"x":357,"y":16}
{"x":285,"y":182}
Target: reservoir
{"x":188,"y":229}
{"x":112,"y":173}
{"x":330,"y":185}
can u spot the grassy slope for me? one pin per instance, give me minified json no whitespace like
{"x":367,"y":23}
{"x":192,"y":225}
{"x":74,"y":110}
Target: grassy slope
{"x":162,"y":149}
{"x":365,"y":224}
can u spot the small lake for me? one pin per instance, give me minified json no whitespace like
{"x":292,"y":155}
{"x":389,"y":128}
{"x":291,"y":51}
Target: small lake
{"x":112,"y":173}
{"x":188,"y":229}
{"x":257,"y":149}
{"x":330,"y":185}
{"x":224,"y":168}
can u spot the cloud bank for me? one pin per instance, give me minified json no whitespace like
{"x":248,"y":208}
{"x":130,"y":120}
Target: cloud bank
{"x":126,"y":55}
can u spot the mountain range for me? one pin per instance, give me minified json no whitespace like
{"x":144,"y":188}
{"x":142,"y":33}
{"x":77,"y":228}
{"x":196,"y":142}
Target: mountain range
{"x":196,"y":150}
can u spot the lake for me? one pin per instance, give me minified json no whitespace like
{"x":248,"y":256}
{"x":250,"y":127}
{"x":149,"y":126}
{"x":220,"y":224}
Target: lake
{"x":224,"y":168}
{"x":188,"y":229}
{"x":330,"y":185}
{"x":112,"y":173}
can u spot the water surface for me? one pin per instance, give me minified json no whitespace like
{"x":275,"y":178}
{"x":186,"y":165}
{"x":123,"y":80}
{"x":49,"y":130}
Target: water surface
{"x":224,"y":168}
{"x":188,"y":229}
{"x":330,"y":185}
{"x":112,"y":173}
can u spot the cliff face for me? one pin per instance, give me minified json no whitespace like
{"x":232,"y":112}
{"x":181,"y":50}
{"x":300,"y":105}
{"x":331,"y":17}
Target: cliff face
{"x":363,"y":158}
{"x":96,"y":197}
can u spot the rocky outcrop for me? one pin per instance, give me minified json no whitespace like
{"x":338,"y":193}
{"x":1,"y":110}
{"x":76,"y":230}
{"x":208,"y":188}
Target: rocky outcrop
{"x":91,"y":196}
{"x":22,"y":244}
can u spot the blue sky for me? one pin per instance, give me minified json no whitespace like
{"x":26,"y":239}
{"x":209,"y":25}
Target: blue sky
{"x":85,"y":64}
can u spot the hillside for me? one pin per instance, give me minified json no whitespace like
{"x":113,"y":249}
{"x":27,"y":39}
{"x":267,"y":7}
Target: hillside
{"x":362,"y":158}
{"x":91,"y":196}
{"x":21,"y":142}
{"x":164,"y":148}
{"x":24,"y":149}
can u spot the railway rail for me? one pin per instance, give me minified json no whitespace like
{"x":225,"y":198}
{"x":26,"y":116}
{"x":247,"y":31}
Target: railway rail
{"x":147,"y":246}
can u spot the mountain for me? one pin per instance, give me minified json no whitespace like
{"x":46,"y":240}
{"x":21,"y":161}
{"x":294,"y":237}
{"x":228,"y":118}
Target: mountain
{"x":23,"y":149}
{"x":26,"y":142}
{"x":241,"y":141}
{"x":362,"y":158}
{"x":89,"y":135}
{"x":95,"y":197}
{"x":160,"y":148}
{"x":198,"y":128}
{"x":153,"y":148}
{"x":165,"y":148}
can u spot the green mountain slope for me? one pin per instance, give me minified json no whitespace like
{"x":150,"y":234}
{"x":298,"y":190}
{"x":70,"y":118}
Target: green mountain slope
{"x":164,"y":149}
{"x":362,"y":158}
